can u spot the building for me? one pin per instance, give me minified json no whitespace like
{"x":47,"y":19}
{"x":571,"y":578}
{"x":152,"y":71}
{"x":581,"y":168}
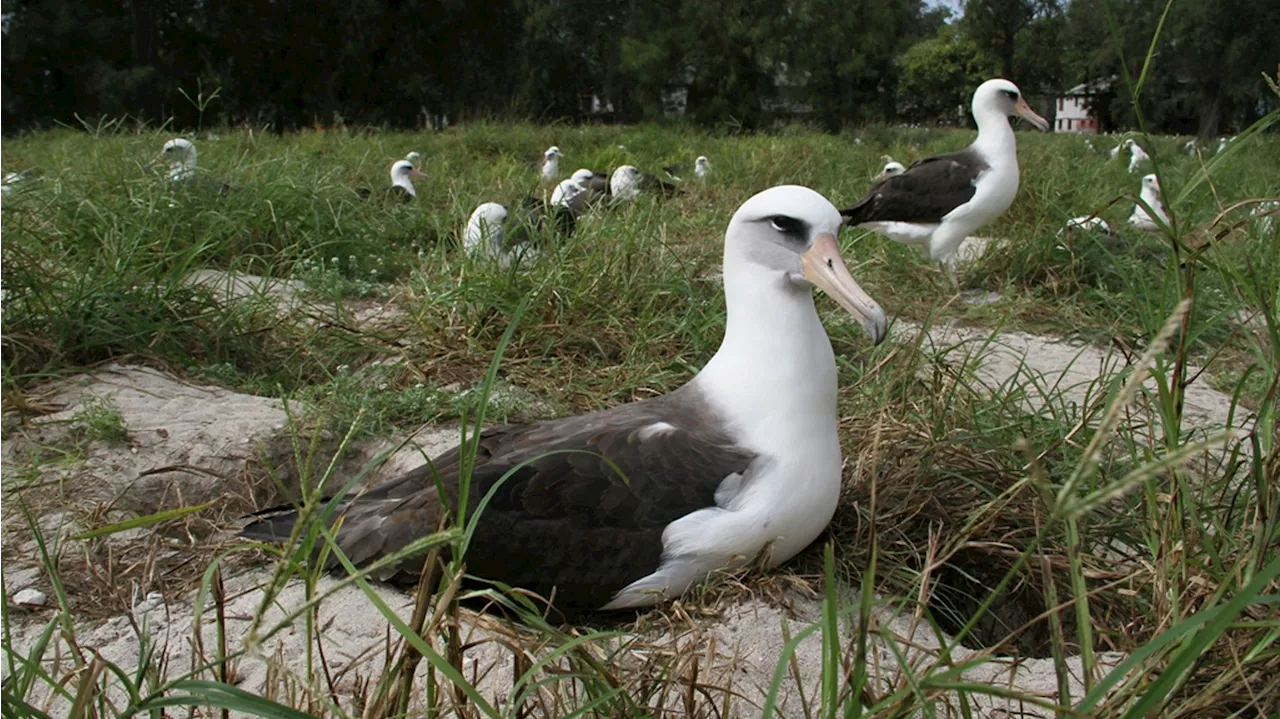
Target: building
{"x":1072,"y":112}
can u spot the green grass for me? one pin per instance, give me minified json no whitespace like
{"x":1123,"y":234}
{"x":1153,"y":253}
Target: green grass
{"x":1067,"y":508}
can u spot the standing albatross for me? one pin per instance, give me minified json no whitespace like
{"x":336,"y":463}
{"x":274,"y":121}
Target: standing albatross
{"x":938,"y":201}
{"x":744,"y":456}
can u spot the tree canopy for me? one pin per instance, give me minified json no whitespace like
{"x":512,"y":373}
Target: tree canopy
{"x":736,"y":63}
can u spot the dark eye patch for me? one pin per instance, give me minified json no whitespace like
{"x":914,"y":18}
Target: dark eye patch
{"x":1010,"y":94}
{"x":790,"y":226}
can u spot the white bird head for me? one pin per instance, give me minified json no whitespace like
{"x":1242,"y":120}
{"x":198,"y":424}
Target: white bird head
{"x":1004,"y":97}
{"x":624,"y":183}
{"x":551,"y":152}
{"x":702,"y":161}
{"x":1151,"y":184}
{"x":402,"y":174}
{"x":790,"y":231}
{"x":485,"y":228}
{"x":582,"y":176}
{"x":181,"y":156}
{"x":891,"y":168}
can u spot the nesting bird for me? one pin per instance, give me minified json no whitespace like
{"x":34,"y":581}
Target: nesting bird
{"x":1088,"y":223}
{"x":402,"y":174}
{"x":891,"y":168}
{"x":551,"y":163}
{"x":702,"y":167}
{"x":1137,"y":155}
{"x":627,"y":183}
{"x":938,"y":201}
{"x":181,"y":156}
{"x":1150,"y":194}
{"x":573,"y":193}
{"x":180,"y":153}
{"x":497,"y":232}
{"x":630,"y":506}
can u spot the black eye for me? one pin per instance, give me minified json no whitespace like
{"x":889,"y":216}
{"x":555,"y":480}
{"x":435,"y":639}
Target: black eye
{"x":1010,"y":94}
{"x":787,"y":225}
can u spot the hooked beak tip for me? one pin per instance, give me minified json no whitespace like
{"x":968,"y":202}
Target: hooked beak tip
{"x":824,"y":267}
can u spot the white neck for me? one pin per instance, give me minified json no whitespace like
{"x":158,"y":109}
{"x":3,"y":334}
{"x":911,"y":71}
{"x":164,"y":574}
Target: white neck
{"x":995,"y":135}
{"x":406,"y":183}
{"x":551,"y":167}
{"x":1152,"y":198}
{"x":774,"y":376}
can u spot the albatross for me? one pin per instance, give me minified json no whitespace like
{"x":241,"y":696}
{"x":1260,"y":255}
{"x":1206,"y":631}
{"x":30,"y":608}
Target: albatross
{"x":1150,"y":194}
{"x":181,"y":155}
{"x":627,"y":182}
{"x":551,"y":163}
{"x":496,"y":232}
{"x":402,"y":174}
{"x":625,"y":507}
{"x":939,"y":201}
{"x":891,"y":168}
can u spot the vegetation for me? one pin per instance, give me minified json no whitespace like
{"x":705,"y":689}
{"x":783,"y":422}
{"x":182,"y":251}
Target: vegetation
{"x":744,"y":63}
{"x":963,"y":502}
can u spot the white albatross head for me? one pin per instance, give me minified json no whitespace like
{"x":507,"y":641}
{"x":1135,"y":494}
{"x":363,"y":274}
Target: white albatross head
{"x":791,"y":231}
{"x":571,"y":193}
{"x":485,"y":229}
{"x":1001,"y":98}
{"x":701,"y":166}
{"x":181,"y":156}
{"x":402,"y":174}
{"x":624,"y":183}
{"x":891,"y":168}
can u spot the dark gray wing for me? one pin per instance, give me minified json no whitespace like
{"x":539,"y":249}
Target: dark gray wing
{"x":397,"y":193}
{"x":926,"y":192}
{"x":598,"y":184}
{"x":566,"y":522}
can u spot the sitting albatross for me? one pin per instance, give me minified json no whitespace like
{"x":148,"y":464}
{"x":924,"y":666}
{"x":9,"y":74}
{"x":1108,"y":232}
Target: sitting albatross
{"x":939,"y":201}
{"x":551,"y":163}
{"x":402,"y":174}
{"x":892,"y":168}
{"x":627,"y":182}
{"x":624,"y":507}
{"x":1140,"y":218}
{"x":180,"y":153}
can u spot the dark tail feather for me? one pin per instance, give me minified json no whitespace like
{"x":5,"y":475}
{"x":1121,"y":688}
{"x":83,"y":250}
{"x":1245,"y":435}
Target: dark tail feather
{"x":854,"y":215}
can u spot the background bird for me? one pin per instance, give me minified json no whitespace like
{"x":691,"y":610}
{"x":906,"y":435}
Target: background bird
{"x":1151,"y":195}
{"x":938,"y":201}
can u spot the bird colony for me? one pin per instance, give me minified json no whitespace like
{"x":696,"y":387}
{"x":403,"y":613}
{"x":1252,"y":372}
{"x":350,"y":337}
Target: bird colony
{"x":630,"y":506}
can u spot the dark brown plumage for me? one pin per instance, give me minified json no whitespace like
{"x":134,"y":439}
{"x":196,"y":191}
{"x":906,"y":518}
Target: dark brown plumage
{"x":566,"y":523}
{"x":925,"y":193}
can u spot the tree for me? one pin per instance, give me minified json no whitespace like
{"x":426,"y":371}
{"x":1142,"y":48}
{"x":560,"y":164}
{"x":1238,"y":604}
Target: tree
{"x":998,"y":26}
{"x":939,"y":76}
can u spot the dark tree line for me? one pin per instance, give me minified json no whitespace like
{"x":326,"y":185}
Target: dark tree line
{"x":744,"y":63}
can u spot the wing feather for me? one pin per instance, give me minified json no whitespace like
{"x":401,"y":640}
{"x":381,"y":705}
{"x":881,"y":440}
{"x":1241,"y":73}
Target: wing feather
{"x":925,"y":193}
{"x":567,"y":522}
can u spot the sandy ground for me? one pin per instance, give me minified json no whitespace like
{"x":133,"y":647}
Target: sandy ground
{"x":189,"y":444}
